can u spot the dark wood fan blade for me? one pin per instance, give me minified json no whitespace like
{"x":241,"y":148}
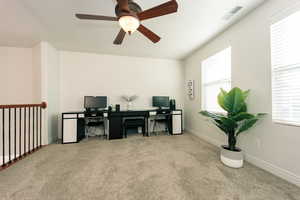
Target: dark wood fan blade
{"x":123,"y":4}
{"x":163,"y":9}
{"x":96,"y":17}
{"x":120,"y":37}
{"x":149,"y":34}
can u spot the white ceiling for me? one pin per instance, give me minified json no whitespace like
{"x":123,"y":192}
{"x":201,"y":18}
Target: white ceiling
{"x":197,"y":21}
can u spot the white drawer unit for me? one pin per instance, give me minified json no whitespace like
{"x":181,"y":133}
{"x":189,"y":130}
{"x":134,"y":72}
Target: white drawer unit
{"x":73,"y":129}
{"x":176,"y":122}
{"x":70,"y":130}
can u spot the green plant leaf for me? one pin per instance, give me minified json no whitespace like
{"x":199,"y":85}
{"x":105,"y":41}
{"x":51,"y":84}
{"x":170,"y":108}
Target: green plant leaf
{"x":237,"y":120}
{"x":221,"y":121}
{"x":220,"y":126}
{"x":221,"y":96}
{"x":246,"y":124}
{"x":229,"y":124}
{"x":242,"y":116}
{"x":211,"y":115}
{"x":246,"y":94}
{"x":244,"y":108}
{"x":261,"y":115}
{"x":234,"y":101}
{"x":216,"y":119}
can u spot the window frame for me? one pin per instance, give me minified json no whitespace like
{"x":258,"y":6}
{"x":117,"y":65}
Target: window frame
{"x":278,"y":19}
{"x":215,"y":82}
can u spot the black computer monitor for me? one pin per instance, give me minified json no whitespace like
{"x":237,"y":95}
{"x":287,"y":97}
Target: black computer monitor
{"x":160,"y":101}
{"x":95,"y":102}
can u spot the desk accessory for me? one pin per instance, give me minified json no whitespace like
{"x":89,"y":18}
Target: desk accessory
{"x":172,"y":104}
{"x":118,"y":107}
{"x":129,"y":100}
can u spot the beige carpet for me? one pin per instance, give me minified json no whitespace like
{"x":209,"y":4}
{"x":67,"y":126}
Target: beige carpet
{"x":137,"y":168}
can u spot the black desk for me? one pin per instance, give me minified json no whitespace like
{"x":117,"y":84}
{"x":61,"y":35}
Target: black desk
{"x":116,"y":120}
{"x":74,"y":130}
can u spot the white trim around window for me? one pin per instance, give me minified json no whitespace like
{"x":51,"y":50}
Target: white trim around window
{"x":285,"y":48}
{"x":216,"y":74}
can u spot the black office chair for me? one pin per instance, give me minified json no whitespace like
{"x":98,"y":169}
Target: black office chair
{"x":133,"y":123}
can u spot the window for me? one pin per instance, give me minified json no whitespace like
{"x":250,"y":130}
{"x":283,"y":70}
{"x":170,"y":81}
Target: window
{"x":216,"y":74}
{"x":285,"y":46}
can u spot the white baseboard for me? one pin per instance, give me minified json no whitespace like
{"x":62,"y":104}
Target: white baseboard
{"x":277,"y":171}
{"x":206,"y":138}
{"x":280,"y":172}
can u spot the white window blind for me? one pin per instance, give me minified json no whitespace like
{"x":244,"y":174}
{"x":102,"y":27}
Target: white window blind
{"x":285,"y":47}
{"x":216,"y":74}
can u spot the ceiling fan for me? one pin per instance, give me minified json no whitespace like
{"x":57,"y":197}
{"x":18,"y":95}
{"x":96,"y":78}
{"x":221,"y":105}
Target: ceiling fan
{"x":130,"y":14}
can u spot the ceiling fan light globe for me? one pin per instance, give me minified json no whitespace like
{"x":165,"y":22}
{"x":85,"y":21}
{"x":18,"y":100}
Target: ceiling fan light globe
{"x":129,"y":23}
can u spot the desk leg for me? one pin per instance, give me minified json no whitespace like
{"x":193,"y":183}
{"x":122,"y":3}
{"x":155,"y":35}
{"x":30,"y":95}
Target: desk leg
{"x":106,"y":127}
{"x":169,"y":124}
{"x":147,"y":124}
{"x":108,"y":130}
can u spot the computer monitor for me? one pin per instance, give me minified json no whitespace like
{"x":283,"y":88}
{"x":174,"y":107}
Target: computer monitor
{"x":160,"y":101}
{"x":95,"y":102}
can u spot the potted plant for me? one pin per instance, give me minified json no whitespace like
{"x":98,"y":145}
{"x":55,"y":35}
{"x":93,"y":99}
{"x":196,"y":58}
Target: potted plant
{"x":233,"y":122}
{"x":129,"y":100}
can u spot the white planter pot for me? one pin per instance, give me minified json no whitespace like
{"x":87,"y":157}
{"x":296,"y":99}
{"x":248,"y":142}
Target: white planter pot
{"x":233,"y":159}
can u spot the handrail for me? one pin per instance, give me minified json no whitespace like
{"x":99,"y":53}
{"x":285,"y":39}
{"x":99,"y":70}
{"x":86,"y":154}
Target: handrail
{"x":42,"y":105}
{"x":21,"y":131}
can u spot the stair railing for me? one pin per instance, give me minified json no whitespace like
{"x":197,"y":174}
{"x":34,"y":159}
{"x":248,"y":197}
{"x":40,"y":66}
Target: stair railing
{"x":21,"y":131}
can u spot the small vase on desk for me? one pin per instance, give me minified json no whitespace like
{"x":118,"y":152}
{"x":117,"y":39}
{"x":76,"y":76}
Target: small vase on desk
{"x":129,"y":104}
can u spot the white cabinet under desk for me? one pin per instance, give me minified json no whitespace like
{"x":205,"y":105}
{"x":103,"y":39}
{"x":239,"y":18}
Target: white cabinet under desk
{"x":73,"y":127}
{"x":176,"y":122}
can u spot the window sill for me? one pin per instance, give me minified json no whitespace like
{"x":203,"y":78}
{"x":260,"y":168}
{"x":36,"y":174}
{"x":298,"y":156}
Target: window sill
{"x":286,"y":123}
{"x":217,"y":112}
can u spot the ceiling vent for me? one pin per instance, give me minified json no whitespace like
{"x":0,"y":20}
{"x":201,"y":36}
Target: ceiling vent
{"x":232,"y":12}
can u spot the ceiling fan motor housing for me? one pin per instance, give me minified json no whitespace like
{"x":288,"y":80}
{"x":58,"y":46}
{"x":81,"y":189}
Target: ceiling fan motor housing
{"x":134,"y":7}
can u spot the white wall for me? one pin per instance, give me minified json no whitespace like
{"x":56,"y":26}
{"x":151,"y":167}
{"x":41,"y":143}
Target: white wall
{"x":51,"y":88}
{"x":19,"y":84}
{"x":46,"y":86}
{"x":37,"y":71}
{"x":113,"y":76}
{"x":17,"y":81}
{"x":271,"y":146}
{"x":34,"y":75}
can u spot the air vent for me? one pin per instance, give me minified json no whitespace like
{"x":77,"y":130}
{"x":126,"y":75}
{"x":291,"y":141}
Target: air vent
{"x":232,"y":12}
